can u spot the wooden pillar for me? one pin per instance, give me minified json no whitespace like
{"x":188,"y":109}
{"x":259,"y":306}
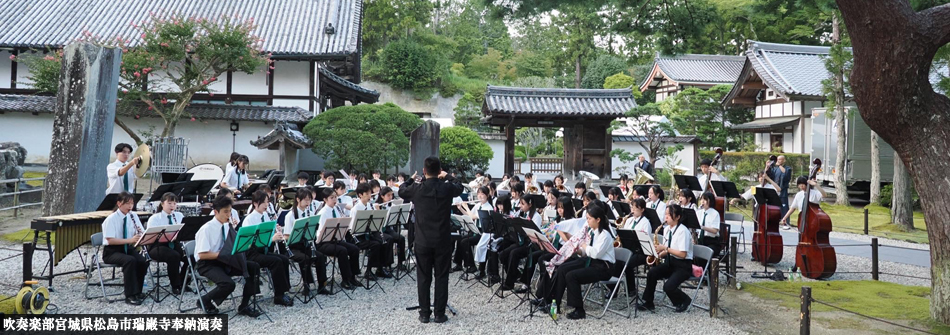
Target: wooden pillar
{"x":608,"y":145}
{"x":509,"y":149}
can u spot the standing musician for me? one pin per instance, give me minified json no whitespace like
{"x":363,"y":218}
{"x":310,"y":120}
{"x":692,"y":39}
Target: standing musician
{"x":706,"y":166}
{"x":817,"y":193}
{"x":764,"y":182}
{"x":119,"y":177}
{"x":677,"y":250}
{"x":278,"y":264}
{"x":432,"y":199}
{"x":348,"y":254}
{"x":381,"y":257}
{"x":464,"y":252}
{"x":513,"y":255}
{"x":171,"y":253}
{"x":384,"y":202}
{"x":215,"y":262}
{"x":120,"y":231}
{"x":655,"y":198}
{"x":708,"y":225}
{"x":783,"y":176}
{"x":232,"y":162}
{"x":595,"y":264}
{"x":236,"y":179}
{"x":303,"y":253}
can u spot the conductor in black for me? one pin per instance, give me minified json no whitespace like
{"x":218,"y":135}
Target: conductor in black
{"x":432,"y":199}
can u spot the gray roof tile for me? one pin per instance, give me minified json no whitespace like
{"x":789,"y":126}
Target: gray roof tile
{"x":668,"y":139}
{"x":558,"y":101}
{"x":701,"y":69}
{"x":288,"y":27}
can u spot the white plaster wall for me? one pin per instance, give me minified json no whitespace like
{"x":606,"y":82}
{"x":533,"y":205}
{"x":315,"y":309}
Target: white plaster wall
{"x":33,"y":132}
{"x":243,"y":83}
{"x":496,"y":166}
{"x":22,"y":75}
{"x":686,"y":157}
{"x":291,"y":78}
{"x":302,"y":103}
{"x":5,"y":67}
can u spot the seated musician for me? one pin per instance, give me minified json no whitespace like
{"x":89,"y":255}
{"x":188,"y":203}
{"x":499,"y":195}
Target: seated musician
{"x":655,"y":198}
{"x":614,"y":194}
{"x":549,"y":187}
{"x":463,"y":253}
{"x":517,"y":192}
{"x":236,"y":179}
{"x":348,"y":254}
{"x":707,"y":168}
{"x":232,"y":162}
{"x":378,"y":178}
{"x":677,"y":253}
{"x":579,"y":189}
{"x":374,"y":189}
{"x":278,"y":264}
{"x":271,"y":209}
{"x":302,"y":179}
{"x":513,"y":255}
{"x":315,"y":205}
{"x":169,"y":253}
{"x":639,"y":223}
{"x":344,"y":201}
{"x":709,"y":221}
{"x":817,"y":193}
{"x":382,"y":257}
{"x":215,"y":262}
{"x":120,"y":231}
{"x":496,"y":244}
{"x":119,"y":177}
{"x":595,"y":264}
{"x":235,"y":219}
{"x":303,"y":254}
{"x":688,"y":200}
{"x":384,"y":200}
{"x":559,"y":183}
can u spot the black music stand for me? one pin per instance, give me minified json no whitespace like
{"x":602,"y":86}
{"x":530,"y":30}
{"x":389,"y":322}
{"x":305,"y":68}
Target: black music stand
{"x":304,"y":233}
{"x":151,"y":237}
{"x":332,"y":231}
{"x":725,"y":189}
{"x":274,"y":179}
{"x":196,"y":188}
{"x":250,"y":190}
{"x":687,"y":182}
{"x":109,"y":202}
{"x":538,"y":201}
{"x":172,"y":177}
{"x":654,"y":218}
{"x":396,"y":218}
{"x":689,"y":219}
{"x":192,"y":224}
{"x":366,"y":223}
{"x":505,"y":228}
{"x":162,"y":189}
{"x":524,"y":229}
{"x":578,"y":203}
{"x":765,"y":196}
{"x":605,"y":189}
{"x":257,"y":236}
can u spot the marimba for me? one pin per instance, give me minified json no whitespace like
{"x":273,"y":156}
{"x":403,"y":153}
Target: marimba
{"x":72,"y":231}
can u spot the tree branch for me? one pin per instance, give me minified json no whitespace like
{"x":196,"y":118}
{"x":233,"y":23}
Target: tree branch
{"x":135,"y":137}
{"x":939,"y":19}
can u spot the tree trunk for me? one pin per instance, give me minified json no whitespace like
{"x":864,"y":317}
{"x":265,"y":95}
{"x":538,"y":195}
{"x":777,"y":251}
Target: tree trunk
{"x":902,"y":201}
{"x":577,"y":72}
{"x":841,"y":173}
{"x":905,"y":103}
{"x":875,"y":169}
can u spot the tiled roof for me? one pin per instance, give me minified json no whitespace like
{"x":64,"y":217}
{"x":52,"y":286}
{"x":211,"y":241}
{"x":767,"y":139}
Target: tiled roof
{"x":767,"y":124}
{"x":666,"y":139}
{"x":46,"y":104}
{"x":698,"y":69}
{"x":610,"y":103}
{"x":356,"y":92}
{"x":492,"y":136}
{"x":282,"y":130}
{"x":790,"y":70}
{"x":288,"y":27}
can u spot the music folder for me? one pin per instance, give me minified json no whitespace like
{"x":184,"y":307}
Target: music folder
{"x":333,"y":230}
{"x":164,"y":188}
{"x":256,"y":236}
{"x":109,"y":202}
{"x":689,"y":219}
{"x":646,"y":244}
{"x":725,"y":189}
{"x":159,"y":234}
{"x":687,"y":182}
{"x":538,"y":238}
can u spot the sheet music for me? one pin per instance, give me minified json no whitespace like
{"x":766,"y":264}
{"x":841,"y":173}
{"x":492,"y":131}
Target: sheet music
{"x":646,"y":244}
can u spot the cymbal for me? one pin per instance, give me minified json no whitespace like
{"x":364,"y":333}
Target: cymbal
{"x":143,"y":165}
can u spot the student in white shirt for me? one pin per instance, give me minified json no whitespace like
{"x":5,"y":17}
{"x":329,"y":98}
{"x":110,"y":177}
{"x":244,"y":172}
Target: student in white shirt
{"x":346,"y":253}
{"x":271,"y":209}
{"x":278,"y":264}
{"x":817,"y":193}
{"x":232,"y":162}
{"x":495,"y":244}
{"x":709,"y":223}
{"x":378,"y":179}
{"x":234,"y":218}
{"x":688,"y":200}
{"x":513,"y":255}
{"x":345,"y":201}
{"x":169,"y":253}
{"x":302,"y":179}
{"x":706,"y":166}
{"x":381,"y":256}
{"x":517,"y":192}
{"x":764,"y":182}
{"x":595,"y":264}
{"x":677,"y":252}
{"x":237,"y":178}
{"x":640,"y":224}
{"x":120,"y":231}
{"x":655,"y":200}
{"x":463,"y":253}
{"x":120,"y":178}
{"x":579,"y":189}
{"x":213,"y":244}
{"x":384,"y":200}
{"x":302,"y":251}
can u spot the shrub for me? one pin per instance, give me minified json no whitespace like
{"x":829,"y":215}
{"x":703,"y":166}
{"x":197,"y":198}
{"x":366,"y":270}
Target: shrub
{"x":600,"y":69}
{"x":409,"y":65}
{"x":364,"y":137}
{"x":462,"y":149}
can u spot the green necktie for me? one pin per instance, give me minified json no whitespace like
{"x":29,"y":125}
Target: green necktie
{"x":702,"y":232}
{"x":170,"y":222}
{"x":125,"y":232}
{"x":333,"y":210}
{"x":587,"y":264}
{"x":125,"y":181}
{"x":224,"y":232}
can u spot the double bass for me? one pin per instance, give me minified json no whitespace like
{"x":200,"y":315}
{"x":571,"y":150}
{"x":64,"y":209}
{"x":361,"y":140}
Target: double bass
{"x":767,"y":240}
{"x":814,"y":255}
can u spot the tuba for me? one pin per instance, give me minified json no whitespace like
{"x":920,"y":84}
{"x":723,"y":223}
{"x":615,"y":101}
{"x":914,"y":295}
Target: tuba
{"x":642,"y":176}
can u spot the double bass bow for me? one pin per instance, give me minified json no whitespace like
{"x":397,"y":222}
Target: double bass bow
{"x":814,"y":255}
{"x":767,"y":240}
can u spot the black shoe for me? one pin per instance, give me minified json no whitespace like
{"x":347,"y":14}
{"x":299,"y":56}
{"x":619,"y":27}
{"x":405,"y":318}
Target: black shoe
{"x":383,"y":274}
{"x":142,"y":296}
{"x":507,"y":288}
{"x":493,"y":279}
{"x":471,"y":269}
{"x":646,"y":307}
{"x":134,"y":301}
{"x":369,"y":276}
{"x":322,"y":290}
{"x":402,"y":267}
{"x":284,"y":300}
{"x":209,"y":308}
{"x":456,"y":268}
{"x":356,"y":283}
{"x":424,"y":318}
{"x":176,"y":291}
{"x":577,"y":314}
{"x":250,"y":311}
{"x":544,"y":308}
{"x":537,"y":302}
{"x":480,"y":276}
{"x":346,"y":285}
{"x":683,"y":307}
{"x":521,"y":289}
{"x":440,"y":318}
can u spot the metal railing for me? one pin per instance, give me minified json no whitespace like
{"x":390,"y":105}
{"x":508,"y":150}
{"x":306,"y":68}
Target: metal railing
{"x":17,"y":192}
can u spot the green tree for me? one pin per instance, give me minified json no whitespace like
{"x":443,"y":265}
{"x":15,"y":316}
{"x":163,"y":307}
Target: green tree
{"x":462,"y":149}
{"x":410,"y":65}
{"x":470,"y":25}
{"x":838,"y":64}
{"x":176,"y":58}
{"x":601,"y":68}
{"x":363,"y":137}
{"x":527,"y":63}
{"x":390,"y":20}
{"x":621,"y":80}
{"x":651,"y":132}
{"x":490,"y":66}
{"x":468,"y":112}
{"x":697,"y":111}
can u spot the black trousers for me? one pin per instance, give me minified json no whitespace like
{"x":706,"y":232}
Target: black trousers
{"x":638,"y":259}
{"x":533,"y":259}
{"x":545,"y":283}
{"x":279,"y":266}
{"x":676,"y":271}
{"x":713,"y":243}
{"x":511,"y":257}
{"x":307,"y":259}
{"x":427,"y":260}
{"x":574,"y":273}
{"x":373,"y":245}
{"x":220,"y":274}
{"x":172,"y":258}
{"x":399,"y":241}
{"x":347,"y":255}
{"x":493,"y":256}
{"x":134,"y":267}
{"x":463,"y":250}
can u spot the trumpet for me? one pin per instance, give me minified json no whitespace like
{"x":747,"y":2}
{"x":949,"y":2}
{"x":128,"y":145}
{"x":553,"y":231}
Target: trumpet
{"x":653,"y":260}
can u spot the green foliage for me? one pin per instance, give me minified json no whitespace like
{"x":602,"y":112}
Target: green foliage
{"x":887,"y":195}
{"x":363,"y":137}
{"x":744,"y":167}
{"x":389,"y":20}
{"x":474,"y":30}
{"x":536,"y":82}
{"x":44,"y":71}
{"x":490,"y":66}
{"x":462,"y":149}
{"x":469,"y":111}
{"x":621,"y":80}
{"x":652,"y":131}
{"x":697,"y":111}
{"x":839,"y":60}
{"x":528,"y":63}
{"x":601,"y":68}
{"x":409,"y":65}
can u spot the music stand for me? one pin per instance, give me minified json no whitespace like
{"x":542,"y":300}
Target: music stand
{"x":273,"y":180}
{"x":153,"y":236}
{"x":726,"y":189}
{"x":622,"y":208}
{"x":605,"y":189}
{"x":396,"y":218}
{"x":537,"y":201}
{"x":646,"y":244}
{"x":257,"y":236}
{"x":628,"y":238}
{"x":687,"y":182}
{"x":109,"y":202}
{"x":468,"y":224}
{"x":366,"y":223}
{"x":301,"y":233}
{"x":578,"y":203}
{"x":654,"y":218}
{"x":162,"y":189}
{"x":765,"y":196}
{"x":250,"y":190}
{"x":689,"y":219}
{"x":172,"y":177}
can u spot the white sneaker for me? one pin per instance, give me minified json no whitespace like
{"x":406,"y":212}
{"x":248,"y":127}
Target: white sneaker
{"x":786,"y":227}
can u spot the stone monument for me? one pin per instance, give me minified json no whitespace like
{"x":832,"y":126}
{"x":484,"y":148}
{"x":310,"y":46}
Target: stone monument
{"x":82,"y":129}
{"x":423,"y":143}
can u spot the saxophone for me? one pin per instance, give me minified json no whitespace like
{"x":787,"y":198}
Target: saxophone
{"x":567,"y":250}
{"x":653,"y":260}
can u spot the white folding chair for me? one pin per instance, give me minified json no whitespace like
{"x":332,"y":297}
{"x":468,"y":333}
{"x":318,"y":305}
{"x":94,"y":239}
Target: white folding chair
{"x":96,"y":264}
{"x":740,"y":233}
{"x":618,"y":282}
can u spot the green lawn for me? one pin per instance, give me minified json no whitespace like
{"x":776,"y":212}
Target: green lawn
{"x":25,"y":234}
{"x":34,"y":175}
{"x":873,"y":298}
{"x":851,"y":220}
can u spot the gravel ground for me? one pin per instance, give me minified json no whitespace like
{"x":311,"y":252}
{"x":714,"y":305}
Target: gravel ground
{"x":376,"y":312}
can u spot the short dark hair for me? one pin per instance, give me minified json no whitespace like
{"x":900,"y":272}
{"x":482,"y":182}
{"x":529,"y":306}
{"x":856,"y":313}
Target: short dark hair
{"x":122,"y":146}
{"x":432,"y":166}
{"x":124,"y":197}
{"x":265,"y":188}
{"x":303,"y":175}
{"x":590,"y":195}
{"x":373,"y":184}
{"x":705,"y":162}
{"x":690,"y":197}
{"x":221,"y":202}
{"x":529,"y":175}
{"x":639,"y":203}
{"x":710,"y":198}
{"x":304,"y":194}
{"x":339,"y":184}
{"x":258,"y":197}
{"x":383,"y":191}
{"x":561,"y":177}
{"x":549,"y":183}
{"x":517,"y":188}
{"x":362,"y":188}
{"x":801,"y":180}
{"x":328,"y":173}
{"x":676,"y":210}
{"x":659,"y":192}
{"x":581,"y":185}
{"x":223,"y":192}
{"x":328,"y":192}
{"x":391,"y":177}
{"x":615,"y":191}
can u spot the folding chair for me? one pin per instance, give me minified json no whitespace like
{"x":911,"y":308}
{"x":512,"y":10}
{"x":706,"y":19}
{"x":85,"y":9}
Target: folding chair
{"x":196,"y":279}
{"x":740,"y":233}
{"x":96,"y":264}
{"x":702,"y":252}
{"x":618,"y":282}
